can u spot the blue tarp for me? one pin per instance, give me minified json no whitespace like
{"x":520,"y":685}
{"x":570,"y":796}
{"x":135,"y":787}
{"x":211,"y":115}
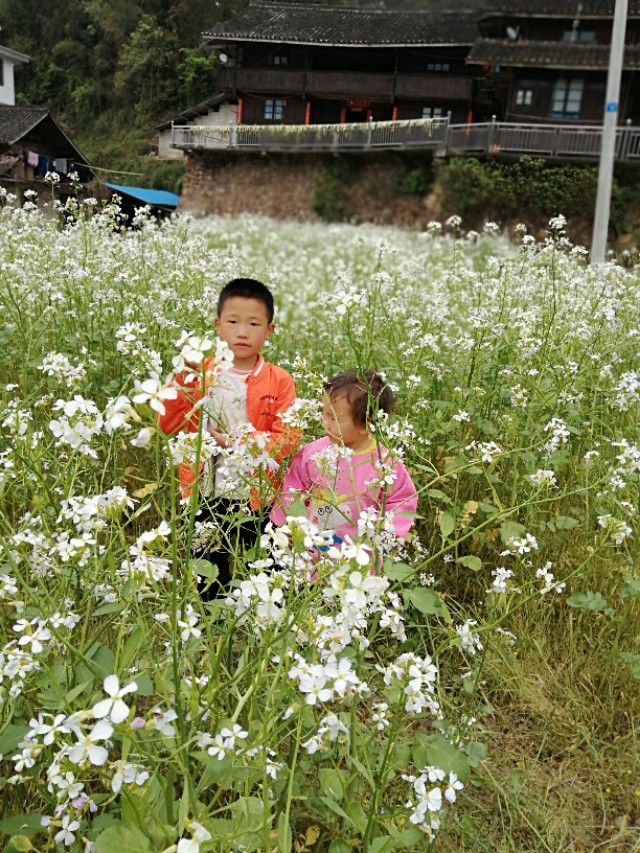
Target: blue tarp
{"x":157,"y":198}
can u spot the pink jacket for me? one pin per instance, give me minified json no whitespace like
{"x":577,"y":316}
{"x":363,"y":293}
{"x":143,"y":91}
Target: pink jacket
{"x":335,"y":500}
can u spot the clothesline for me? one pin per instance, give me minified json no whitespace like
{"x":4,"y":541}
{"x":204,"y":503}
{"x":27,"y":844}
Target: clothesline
{"x":115,"y":171}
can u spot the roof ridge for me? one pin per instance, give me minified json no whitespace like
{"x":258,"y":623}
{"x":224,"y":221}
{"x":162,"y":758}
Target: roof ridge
{"x":321,"y":7}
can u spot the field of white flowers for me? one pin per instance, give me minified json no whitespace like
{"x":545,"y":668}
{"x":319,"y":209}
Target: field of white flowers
{"x":481,"y":693}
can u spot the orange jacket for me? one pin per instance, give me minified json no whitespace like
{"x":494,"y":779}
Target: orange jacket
{"x":270,"y":392}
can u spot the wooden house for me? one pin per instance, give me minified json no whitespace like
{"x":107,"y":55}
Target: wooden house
{"x":32,"y":144}
{"x":288,"y":64}
{"x":547,"y":61}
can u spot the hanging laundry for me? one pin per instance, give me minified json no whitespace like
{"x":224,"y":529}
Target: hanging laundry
{"x":43,"y":165}
{"x":60,"y":165}
{"x":32,"y":158}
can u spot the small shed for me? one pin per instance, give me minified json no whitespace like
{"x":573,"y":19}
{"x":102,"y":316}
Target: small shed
{"x":161,"y":202}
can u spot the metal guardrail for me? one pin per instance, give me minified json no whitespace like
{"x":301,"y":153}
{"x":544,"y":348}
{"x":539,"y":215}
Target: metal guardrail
{"x":563,"y":141}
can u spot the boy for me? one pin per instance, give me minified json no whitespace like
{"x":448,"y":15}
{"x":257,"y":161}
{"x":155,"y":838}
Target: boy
{"x":338,"y":488}
{"x":252,"y":394}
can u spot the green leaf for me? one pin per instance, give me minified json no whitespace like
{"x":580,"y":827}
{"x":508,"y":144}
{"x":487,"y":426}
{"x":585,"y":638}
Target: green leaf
{"x":357,"y":814}
{"x":336,"y":809}
{"x":11,"y":737}
{"x":437,"y":751}
{"x":76,"y":691}
{"x":297,"y":508}
{"x":514,"y":781}
{"x":131,"y":648}
{"x":511,"y":530}
{"x":397,"y":571}
{"x":487,"y":509}
{"x":104,"y":660}
{"x":22,"y":824}
{"x":18,"y":844}
{"x":124,"y":839}
{"x":593,"y":601}
{"x":447,"y":524}
{"x":112,"y":607}
{"x":427,"y":602}
{"x":487,"y":427}
{"x":284,"y":834}
{"x":629,"y":589}
{"x":332,"y":782}
{"x":145,"y":685}
{"x":400,"y":755}
{"x":204,"y":568}
{"x":565,"y":522}
{"x":339,"y":845}
{"x":407,"y":839}
{"x":633,"y":662}
{"x":436,"y":493}
{"x":382,"y":844}
{"x":471,"y":562}
{"x":476,"y":751}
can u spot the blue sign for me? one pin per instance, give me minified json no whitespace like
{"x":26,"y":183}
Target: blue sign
{"x":612,"y":107}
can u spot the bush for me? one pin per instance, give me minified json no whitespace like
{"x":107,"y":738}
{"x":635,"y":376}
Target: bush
{"x":530,"y":188}
{"x":331,"y":199}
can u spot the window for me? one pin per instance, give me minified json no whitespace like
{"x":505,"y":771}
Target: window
{"x":524,"y":97}
{"x":273,"y":109}
{"x":438,"y":66}
{"x":566,"y":98}
{"x":432,"y":112}
{"x":584,"y":36}
{"x":278,"y":59}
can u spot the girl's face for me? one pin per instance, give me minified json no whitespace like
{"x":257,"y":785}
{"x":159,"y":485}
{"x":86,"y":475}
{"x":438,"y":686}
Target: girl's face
{"x":338,"y":423}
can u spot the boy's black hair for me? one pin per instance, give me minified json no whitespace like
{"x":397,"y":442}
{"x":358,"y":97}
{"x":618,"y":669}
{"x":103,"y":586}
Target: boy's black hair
{"x":366,"y":392}
{"x":248,"y":288}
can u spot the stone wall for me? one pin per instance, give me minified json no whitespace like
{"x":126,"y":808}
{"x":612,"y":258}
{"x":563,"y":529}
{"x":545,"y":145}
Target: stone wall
{"x":285,"y":186}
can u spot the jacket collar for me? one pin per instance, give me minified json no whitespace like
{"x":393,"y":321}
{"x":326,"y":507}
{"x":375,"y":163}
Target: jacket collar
{"x":258,"y":367}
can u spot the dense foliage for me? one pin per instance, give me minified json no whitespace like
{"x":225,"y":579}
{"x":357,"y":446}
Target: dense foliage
{"x":480,"y":691}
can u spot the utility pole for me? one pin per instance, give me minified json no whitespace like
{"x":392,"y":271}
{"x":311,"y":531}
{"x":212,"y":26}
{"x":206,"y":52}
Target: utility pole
{"x":609,"y":126}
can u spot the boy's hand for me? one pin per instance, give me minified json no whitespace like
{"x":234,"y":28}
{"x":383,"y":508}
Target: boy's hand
{"x":221,"y":439}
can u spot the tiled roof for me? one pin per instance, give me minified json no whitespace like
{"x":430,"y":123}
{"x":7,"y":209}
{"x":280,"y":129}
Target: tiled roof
{"x":548,"y":54}
{"x":44,"y":133}
{"x":558,"y":9}
{"x":200,"y":109}
{"x":16,"y":122}
{"x":306,"y":23}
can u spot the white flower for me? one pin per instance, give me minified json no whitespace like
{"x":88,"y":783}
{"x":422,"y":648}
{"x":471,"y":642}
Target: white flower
{"x":66,"y":834}
{"x":199,"y":834}
{"x":162,"y":721}
{"x":87,"y":748}
{"x":454,"y":785}
{"x":152,"y":391}
{"x":143,"y":438}
{"x":114,"y":708}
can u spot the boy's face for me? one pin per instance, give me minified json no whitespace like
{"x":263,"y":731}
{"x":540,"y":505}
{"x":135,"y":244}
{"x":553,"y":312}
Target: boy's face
{"x":244,"y":324}
{"x":338,"y":423}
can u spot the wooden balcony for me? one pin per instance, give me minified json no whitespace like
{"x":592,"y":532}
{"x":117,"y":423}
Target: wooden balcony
{"x":346,"y":84}
{"x":555,"y":141}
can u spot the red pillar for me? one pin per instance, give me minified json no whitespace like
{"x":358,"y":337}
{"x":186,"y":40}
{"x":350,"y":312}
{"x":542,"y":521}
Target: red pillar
{"x":307,"y":113}
{"x":240,"y":105}
{"x":394,"y":113}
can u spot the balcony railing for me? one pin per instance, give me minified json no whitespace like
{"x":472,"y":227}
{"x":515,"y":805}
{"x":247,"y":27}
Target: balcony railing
{"x":563,"y":141}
